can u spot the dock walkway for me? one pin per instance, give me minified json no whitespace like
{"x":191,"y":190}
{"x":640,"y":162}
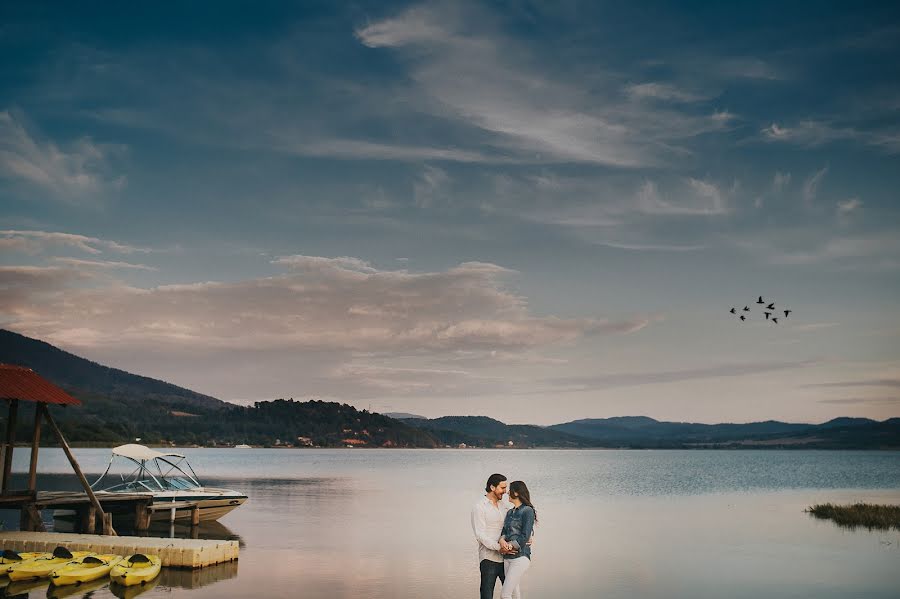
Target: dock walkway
{"x":178,"y":553}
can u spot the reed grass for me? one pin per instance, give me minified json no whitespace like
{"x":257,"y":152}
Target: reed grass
{"x":871,"y":516}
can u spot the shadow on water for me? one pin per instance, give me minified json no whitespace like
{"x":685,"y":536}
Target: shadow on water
{"x":20,"y":589}
{"x":85,"y":589}
{"x":123,"y":592}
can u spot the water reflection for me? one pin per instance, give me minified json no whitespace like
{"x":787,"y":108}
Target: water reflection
{"x":20,"y":589}
{"x":85,"y":589}
{"x":184,"y":578}
{"x":391,"y":525}
{"x":123,"y":592}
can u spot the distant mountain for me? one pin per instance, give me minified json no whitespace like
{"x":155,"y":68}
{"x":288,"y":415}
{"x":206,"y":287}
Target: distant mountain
{"x":404,"y":416}
{"x":482,"y":431}
{"x":644,"y":432}
{"x":79,"y":376}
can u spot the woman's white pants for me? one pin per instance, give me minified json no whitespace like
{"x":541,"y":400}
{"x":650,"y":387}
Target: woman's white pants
{"x":514,"y":569}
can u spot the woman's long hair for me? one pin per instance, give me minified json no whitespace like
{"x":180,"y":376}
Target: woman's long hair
{"x":518,"y":490}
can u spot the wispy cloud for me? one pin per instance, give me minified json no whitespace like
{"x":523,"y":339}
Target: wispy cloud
{"x":609,"y":381}
{"x":662,"y":91}
{"x":845,"y":207}
{"x":78,"y":171}
{"x":813,"y":133}
{"x":475,"y":79}
{"x":885,"y":382}
{"x":811,"y":186}
{"x":42,"y":240}
{"x":102,"y":264}
{"x":322,"y":304}
{"x":705,"y":198}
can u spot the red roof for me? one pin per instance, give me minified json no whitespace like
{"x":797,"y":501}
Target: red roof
{"x":18,"y":382}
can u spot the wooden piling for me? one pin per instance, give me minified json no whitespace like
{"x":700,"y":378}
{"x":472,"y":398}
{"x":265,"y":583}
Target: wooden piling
{"x":10,"y":443}
{"x":35,"y":445}
{"x":107,"y":522}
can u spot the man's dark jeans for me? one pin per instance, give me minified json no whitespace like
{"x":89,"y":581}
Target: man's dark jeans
{"x":490,"y":572}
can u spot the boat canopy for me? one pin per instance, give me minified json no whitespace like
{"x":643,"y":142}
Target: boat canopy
{"x":152,"y":471}
{"x":141,"y":452}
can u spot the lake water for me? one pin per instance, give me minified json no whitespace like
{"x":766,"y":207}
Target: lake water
{"x":618,"y":524}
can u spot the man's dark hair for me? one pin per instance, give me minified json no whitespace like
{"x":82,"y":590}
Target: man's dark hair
{"x":493,"y":481}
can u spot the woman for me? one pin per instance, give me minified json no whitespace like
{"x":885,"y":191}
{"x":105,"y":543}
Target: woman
{"x":517,"y":529}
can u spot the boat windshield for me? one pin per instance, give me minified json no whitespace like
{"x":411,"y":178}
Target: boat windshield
{"x":180,"y":484}
{"x":150,"y":471}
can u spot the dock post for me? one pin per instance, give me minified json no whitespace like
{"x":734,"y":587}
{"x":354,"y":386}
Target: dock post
{"x":10,"y":442}
{"x":107,"y":524}
{"x":142,"y":516}
{"x":89,"y":520}
{"x":30,"y":519}
{"x":35,"y":444}
{"x":195,"y":515}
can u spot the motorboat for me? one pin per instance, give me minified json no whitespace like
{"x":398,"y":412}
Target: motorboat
{"x":170,"y":479}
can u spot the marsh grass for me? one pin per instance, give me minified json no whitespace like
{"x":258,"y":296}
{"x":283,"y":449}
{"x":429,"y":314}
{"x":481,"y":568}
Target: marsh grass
{"x":882,"y":517}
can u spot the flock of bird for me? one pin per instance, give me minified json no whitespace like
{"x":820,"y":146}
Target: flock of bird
{"x":769,"y":310}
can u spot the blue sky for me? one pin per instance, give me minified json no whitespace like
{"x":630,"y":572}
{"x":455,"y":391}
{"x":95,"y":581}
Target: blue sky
{"x":532,"y":211}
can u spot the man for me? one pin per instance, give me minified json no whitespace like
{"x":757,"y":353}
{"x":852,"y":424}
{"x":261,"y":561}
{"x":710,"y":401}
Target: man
{"x":488,"y":515}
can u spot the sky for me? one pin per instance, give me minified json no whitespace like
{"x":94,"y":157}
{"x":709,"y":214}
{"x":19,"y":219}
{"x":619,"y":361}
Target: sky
{"x":534,"y":211}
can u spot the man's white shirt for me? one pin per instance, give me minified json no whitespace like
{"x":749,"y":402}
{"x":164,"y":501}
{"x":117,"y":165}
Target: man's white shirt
{"x":487,"y":524}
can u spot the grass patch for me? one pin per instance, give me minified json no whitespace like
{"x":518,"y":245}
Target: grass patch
{"x":882,"y":517}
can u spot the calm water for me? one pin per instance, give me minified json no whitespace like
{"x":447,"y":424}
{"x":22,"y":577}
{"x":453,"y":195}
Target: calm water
{"x":395,"y":523}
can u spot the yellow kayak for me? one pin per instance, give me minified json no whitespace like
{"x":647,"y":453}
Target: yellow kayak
{"x":12,"y":557}
{"x":85,"y":569}
{"x":40,"y":567}
{"x":136,"y":569}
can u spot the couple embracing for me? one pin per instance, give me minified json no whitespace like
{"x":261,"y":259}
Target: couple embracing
{"x":504,"y":531}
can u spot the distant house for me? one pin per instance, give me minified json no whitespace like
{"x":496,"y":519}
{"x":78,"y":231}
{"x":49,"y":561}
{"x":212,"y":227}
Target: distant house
{"x":304,"y":441}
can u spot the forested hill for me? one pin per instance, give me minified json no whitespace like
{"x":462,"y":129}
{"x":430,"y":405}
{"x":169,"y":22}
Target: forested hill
{"x":82,"y":377}
{"x":119,"y":407}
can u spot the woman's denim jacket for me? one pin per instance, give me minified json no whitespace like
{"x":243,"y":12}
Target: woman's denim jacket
{"x":518,"y":526}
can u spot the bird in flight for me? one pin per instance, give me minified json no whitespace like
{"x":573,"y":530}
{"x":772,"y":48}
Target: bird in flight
{"x":775,"y":320}
{"x":771,"y":306}
{"x":786,"y":312}
{"x":759,"y":301}
{"x":746,"y":309}
{"x":768,"y":314}
{"x":743,"y":317}
{"x":733,"y":311}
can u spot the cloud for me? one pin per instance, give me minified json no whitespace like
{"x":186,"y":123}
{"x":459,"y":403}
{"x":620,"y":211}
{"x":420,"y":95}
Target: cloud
{"x":368,"y":380}
{"x":34,"y":241}
{"x":610,"y":381}
{"x":102,"y":264}
{"x":847,"y":206}
{"x":813,"y":133}
{"x":428,"y":188}
{"x":485,"y":81}
{"x":863,"y":400}
{"x":811,"y":186}
{"x":82,"y":169}
{"x":780,"y":181}
{"x":663,"y":91}
{"x":321,"y":304}
{"x":711,"y":202}
{"x":881,"y":382}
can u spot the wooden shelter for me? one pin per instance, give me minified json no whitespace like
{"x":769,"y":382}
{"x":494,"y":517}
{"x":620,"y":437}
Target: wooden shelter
{"x":18,"y":383}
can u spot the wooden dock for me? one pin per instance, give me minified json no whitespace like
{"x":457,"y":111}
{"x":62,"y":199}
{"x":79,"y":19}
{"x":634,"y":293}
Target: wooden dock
{"x":138,"y":506}
{"x":177,"y":553}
